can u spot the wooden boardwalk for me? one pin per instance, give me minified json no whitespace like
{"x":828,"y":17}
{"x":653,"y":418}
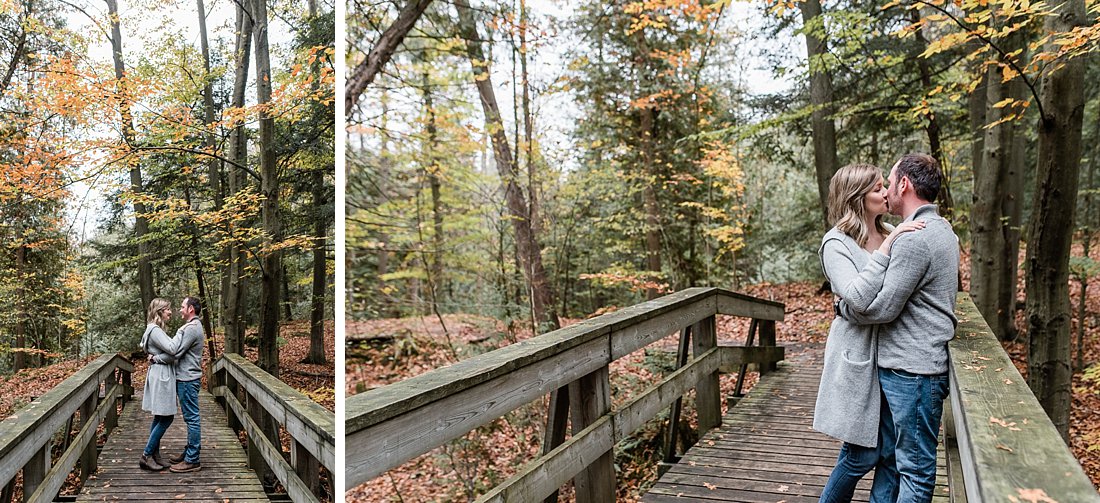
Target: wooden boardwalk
{"x":225,"y":475}
{"x":766,"y":449}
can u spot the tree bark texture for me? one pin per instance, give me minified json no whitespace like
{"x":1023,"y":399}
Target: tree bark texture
{"x":269,"y":188}
{"x":821,"y":99}
{"x":1051,"y":228}
{"x":320,"y":236}
{"x":233,"y":274}
{"x":529,"y":251}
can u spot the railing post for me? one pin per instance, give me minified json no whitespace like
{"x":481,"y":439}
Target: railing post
{"x":767,"y":338}
{"x":305,"y":465}
{"x":708,"y":399}
{"x":88,"y":457}
{"x":34,"y":472}
{"x":590,"y":397}
{"x":111,"y":422}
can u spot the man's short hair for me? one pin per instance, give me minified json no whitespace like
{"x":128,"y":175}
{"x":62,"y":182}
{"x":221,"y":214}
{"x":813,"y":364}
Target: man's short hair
{"x":194,"y":303}
{"x":923,"y":172}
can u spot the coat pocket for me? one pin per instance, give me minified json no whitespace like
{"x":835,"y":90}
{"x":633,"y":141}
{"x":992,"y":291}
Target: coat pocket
{"x":856,"y":359}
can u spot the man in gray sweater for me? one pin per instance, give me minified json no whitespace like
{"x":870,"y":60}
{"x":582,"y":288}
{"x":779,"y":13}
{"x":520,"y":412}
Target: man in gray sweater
{"x":916,"y":311}
{"x":190,"y":338}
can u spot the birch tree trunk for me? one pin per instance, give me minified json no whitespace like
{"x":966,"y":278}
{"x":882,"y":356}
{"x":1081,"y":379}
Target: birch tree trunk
{"x":1051,"y":227}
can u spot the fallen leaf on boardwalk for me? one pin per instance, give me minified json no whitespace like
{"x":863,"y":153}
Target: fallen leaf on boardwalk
{"x":1034,"y":496}
{"x":181,"y":496}
{"x":784,"y":489}
{"x":983,"y":358}
{"x":1008,"y":381}
{"x":710,"y":486}
{"x":710,"y":443}
{"x":1011,"y":426}
{"x":106,"y":485}
{"x":1004,"y":448}
{"x":1000,"y":369}
{"x":218,"y":490}
{"x":692,"y":463}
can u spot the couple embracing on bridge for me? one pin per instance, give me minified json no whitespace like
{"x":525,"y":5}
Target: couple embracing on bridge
{"x":175,"y":371}
{"x":885,"y":371}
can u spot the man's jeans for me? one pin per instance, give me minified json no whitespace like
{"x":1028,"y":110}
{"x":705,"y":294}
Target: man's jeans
{"x":156,"y":432}
{"x":188,"y":392}
{"x":908,"y":428}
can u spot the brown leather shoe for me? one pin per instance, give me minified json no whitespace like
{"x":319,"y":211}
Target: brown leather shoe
{"x":176,"y":459}
{"x":160,"y":461}
{"x":148,"y":463}
{"x":185,"y":467}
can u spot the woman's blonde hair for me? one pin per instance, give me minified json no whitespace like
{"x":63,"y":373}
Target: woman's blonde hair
{"x":847,"y":190}
{"x":153,"y":315}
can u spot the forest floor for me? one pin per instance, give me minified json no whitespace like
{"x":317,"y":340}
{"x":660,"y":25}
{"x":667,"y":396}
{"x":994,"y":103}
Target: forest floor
{"x":313,"y":380}
{"x":384,"y":351}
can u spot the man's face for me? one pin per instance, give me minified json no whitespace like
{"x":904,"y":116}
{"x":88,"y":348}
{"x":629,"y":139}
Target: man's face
{"x":893,"y":193}
{"x":184,"y":309}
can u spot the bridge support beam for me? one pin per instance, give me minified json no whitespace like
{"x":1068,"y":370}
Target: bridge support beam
{"x":590,"y":397}
{"x":708,"y":397}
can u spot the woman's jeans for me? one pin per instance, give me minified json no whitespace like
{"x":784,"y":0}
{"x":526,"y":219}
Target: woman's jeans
{"x":156,"y":432}
{"x":853,"y":463}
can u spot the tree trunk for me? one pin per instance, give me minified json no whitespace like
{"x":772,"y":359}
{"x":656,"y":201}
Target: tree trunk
{"x":383,"y":49}
{"x":320,"y":236}
{"x":431,"y":169}
{"x":821,"y":99}
{"x":995,"y":213}
{"x":647,"y":134}
{"x":530,"y":253}
{"x":284,"y":297}
{"x":269,"y":187}
{"x":232,"y":279}
{"x":932,"y":126}
{"x":20,"y":357}
{"x":214,"y":166}
{"x":1051,"y":227}
{"x":141,"y":224}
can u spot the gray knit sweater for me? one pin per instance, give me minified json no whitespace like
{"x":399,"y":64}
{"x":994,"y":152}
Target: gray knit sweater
{"x":916,"y":304}
{"x":188,"y":352}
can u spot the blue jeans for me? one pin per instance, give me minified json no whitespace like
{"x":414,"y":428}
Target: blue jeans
{"x":188,"y":393}
{"x":156,"y":432}
{"x":853,"y":463}
{"x":908,"y":428}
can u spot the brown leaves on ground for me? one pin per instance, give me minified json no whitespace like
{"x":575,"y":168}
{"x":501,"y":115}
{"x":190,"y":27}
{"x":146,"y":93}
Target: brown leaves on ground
{"x":19,"y":389}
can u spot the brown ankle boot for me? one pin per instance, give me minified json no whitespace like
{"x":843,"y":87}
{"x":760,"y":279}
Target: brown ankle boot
{"x":160,"y":461}
{"x":147,"y":463}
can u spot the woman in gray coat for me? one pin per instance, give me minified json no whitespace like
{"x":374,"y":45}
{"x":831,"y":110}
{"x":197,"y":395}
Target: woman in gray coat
{"x":160,"y":382}
{"x":854,"y":252}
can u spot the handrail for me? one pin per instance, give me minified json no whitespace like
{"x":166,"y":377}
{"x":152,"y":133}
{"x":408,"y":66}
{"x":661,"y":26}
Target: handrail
{"x":1008,"y":449}
{"x":25,"y":437}
{"x":311,"y":427}
{"x":389,"y":425}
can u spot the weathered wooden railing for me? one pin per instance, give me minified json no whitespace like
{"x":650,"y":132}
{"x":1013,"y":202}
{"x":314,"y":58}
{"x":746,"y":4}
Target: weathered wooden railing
{"x":1001,"y":445}
{"x":86,"y":399}
{"x":392,"y":424}
{"x":311,"y":428}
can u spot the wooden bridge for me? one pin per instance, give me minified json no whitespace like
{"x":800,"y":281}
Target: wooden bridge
{"x":45,"y":440}
{"x":997,"y":444}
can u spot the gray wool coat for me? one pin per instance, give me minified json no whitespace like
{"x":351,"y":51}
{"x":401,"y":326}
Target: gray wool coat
{"x":160,"y":382}
{"x":848,"y":397}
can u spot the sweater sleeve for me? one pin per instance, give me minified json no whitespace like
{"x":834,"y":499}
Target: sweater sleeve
{"x":908,"y":264}
{"x":165,"y":345}
{"x":857,"y":287}
{"x":182,"y":344}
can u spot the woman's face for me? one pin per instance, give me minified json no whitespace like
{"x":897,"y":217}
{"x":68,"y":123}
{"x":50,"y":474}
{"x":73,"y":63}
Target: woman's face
{"x":874,"y":203}
{"x":166,"y":313}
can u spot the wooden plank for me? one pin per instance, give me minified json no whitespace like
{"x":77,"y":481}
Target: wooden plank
{"x":372,"y":451}
{"x":638,"y":335}
{"x":310,"y":424}
{"x":1005,"y":439}
{"x":224,"y":474}
{"x":734,"y":356}
{"x":737,"y":304}
{"x":635,"y":413}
